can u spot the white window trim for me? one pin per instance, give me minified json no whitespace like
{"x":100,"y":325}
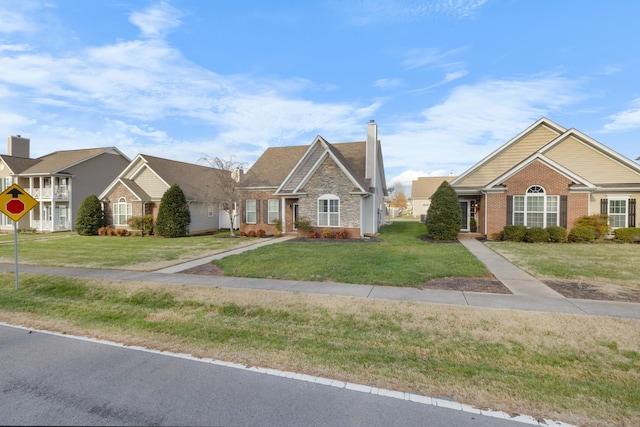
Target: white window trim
{"x":329,"y":214}
{"x":273,"y":215}
{"x":536,"y":191}
{"x":626,"y":210}
{"x":253,"y":211}
{"x":117,"y":214}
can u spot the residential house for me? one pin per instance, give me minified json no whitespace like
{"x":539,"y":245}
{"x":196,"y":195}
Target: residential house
{"x":59,"y":181}
{"x":138,"y":190}
{"x":421,"y":191}
{"x":548,"y":175}
{"x":337,"y":186}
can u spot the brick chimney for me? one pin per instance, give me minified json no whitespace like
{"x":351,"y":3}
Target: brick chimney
{"x":18,"y":146}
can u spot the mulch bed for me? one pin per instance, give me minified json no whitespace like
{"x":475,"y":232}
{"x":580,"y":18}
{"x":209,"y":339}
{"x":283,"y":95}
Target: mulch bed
{"x":569,"y":289}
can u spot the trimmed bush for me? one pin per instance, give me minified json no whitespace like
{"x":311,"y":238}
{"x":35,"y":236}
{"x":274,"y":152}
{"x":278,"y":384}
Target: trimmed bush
{"x":90,"y":217}
{"x":536,"y":235}
{"x":261,"y":233}
{"x":557,"y":234}
{"x":599,"y":224}
{"x":444,"y":215}
{"x":627,"y":235}
{"x":327,"y":233}
{"x":174,"y":217}
{"x":342,"y":234}
{"x":143,"y":224}
{"x":514,"y":233}
{"x":581,"y":234}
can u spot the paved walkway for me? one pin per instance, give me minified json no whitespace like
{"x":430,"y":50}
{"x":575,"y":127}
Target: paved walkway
{"x":528,"y":293}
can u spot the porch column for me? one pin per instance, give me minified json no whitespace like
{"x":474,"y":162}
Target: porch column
{"x":283,"y":214}
{"x":40,"y":207}
{"x":70,"y":204}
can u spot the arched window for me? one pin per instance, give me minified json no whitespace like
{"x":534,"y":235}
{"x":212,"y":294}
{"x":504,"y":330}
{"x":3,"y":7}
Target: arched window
{"x":121,"y":212}
{"x":328,"y":211}
{"x":535,"y":208}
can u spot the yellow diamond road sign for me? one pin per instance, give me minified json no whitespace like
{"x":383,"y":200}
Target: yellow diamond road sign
{"x":15,"y":202}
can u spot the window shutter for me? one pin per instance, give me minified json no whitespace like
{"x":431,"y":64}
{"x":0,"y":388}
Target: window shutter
{"x":632,"y":213}
{"x":563,"y":211}
{"x":604,"y":207}
{"x":257,"y":211}
{"x":509,"y":210}
{"x":265,"y":211}
{"x":243,"y":203}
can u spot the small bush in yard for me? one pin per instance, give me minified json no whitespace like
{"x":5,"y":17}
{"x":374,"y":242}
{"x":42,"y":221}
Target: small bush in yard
{"x":342,"y":234}
{"x":514,"y":233}
{"x":260,"y":233}
{"x":327,"y":233}
{"x":444,"y":215}
{"x":581,"y":234}
{"x":599,"y":224}
{"x":627,"y":235}
{"x":174,"y":216}
{"x":557,"y":234}
{"x":251,"y":233}
{"x":536,"y":235}
{"x":90,"y":217}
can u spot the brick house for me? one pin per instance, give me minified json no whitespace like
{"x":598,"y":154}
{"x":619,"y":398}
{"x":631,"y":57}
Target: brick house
{"x":138,"y":190}
{"x":548,"y":175}
{"x":59,"y":181}
{"x":337,"y":186}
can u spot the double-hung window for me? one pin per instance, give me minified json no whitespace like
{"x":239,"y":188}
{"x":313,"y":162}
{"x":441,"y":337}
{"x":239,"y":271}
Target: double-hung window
{"x":251,"y":217}
{"x":617,"y":212}
{"x":274,"y":211}
{"x":535,"y":209}
{"x":328,"y":211}
{"x":121,"y":212}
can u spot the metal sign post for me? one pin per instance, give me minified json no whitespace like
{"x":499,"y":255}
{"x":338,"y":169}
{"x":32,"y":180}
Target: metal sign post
{"x":15,"y":203}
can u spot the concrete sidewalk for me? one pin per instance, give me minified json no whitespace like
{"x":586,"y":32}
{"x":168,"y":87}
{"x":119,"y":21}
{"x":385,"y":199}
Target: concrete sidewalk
{"x":529,"y":294}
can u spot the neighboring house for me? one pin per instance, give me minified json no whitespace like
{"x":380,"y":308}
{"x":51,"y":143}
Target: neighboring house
{"x":548,"y":175}
{"x":138,"y":190}
{"x":421,"y":191}
{"x":59,"y":181}
{"x":338,"y":186}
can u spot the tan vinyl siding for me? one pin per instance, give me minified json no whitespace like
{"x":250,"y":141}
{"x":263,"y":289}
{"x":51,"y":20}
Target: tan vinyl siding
{"x":150,"y":183}
{"x":591,"y":164}
{"x":510,"y":157}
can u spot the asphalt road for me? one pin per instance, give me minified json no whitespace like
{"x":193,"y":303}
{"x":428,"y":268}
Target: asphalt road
{"x":53,"y":380}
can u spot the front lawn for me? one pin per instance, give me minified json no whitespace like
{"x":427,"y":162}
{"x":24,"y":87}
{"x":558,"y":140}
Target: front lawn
{"x":130,"y":253}
{"x":399,"y":258}
{"x":587,"y":262}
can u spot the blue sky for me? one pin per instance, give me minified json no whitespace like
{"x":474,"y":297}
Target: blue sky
{"x":447,"y":81}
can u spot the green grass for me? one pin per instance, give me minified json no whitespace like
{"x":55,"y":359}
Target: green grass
{"x":605,"y":262}
{"x":400,"y":258}
{"x":571,"y":366}
{"x":72,"y":250}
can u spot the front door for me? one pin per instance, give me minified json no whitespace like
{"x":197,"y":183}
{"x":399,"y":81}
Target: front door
{"x":464,"y":207}
{"x":295,"y":216}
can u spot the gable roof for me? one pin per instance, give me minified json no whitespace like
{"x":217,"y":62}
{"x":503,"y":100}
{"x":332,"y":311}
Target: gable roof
{"x":57,"y":162}
{"x":287,"y":169}
{"x":586,"y":162}
{"x":424,"y":187}
{"x":191,"y":178}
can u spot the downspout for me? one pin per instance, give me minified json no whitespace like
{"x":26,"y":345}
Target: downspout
{"x":486,"y":222}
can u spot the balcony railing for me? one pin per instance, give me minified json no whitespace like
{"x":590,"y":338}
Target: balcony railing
{"x":50,"y":226}
{"x":48,"y":193}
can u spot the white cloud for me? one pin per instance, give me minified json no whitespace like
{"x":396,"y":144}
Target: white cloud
{"x":388,"y":84}
{"x":625,"y":120}
{"x":157,"y":20}
{"x":473,"y":121}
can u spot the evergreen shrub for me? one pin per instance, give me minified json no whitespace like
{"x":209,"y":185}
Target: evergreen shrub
{"x":581,"y":234}
{"x":90,"y":217}
{"x":514,"y":233}
{"x":174,"y":217}
{"x":557,"y":234}
{"x":536,"y":235}
{"x":444,"y":215}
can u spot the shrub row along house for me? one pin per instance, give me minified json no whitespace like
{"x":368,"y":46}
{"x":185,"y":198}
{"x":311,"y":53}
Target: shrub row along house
{"x":548,"y":175}
{"x":336,"y":186}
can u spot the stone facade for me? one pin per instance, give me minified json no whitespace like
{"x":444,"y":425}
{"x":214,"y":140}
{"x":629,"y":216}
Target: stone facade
{"x":137,"y":208}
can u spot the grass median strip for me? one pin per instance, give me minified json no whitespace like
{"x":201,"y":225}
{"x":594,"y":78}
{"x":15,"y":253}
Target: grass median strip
{"x":578,"y":369}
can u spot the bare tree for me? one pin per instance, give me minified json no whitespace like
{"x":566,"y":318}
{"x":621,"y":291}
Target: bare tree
{"x":399,"y":198}
{"x":224,"y":188}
